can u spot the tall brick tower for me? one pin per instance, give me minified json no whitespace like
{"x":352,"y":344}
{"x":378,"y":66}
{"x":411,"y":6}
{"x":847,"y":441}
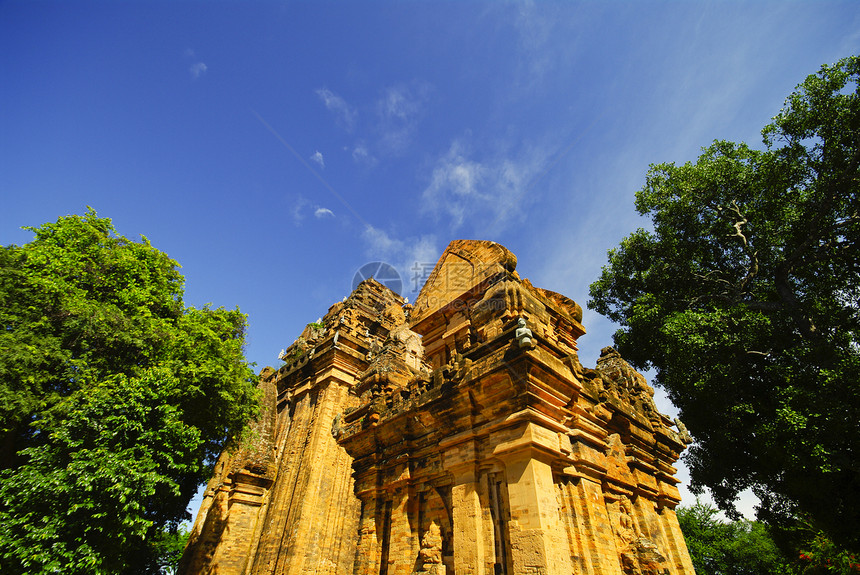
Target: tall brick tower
{"x":460,"y":436}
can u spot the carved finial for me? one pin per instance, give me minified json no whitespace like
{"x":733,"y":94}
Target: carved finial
{"x":683,"y":432}
{"x":608,"y":351}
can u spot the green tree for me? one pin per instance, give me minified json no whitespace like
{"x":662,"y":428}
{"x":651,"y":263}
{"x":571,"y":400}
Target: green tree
{"x":115,"y":399}
{"x":820,"y":556}
{"x":744,"y":298}
{"x":171,"y":546}
{"x":729,"y":548}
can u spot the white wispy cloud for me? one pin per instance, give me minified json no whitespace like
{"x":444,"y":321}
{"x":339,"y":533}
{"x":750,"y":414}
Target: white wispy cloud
{"x":413,"y":257}
{"x":297,"y":209}
{"x":301,"y":207}
{"x":490,"y":192}
{"x":379,"y":243}
{"x":455,"y":186}
{"x":399,"y":110}
{"x":395,"y":116}
{"x":534,"y":27}
{"x":317,"y":157}
{"x":197,"y":69}
{"x":546,"y":41}
{"x":343,"y":111}
{"x":361,"y":155}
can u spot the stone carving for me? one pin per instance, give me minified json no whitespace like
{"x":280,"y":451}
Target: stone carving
{"x":617,"y":466}
{"x":642,"y":557}
{"x":405,"y":440}
{"x":626,"y":530}
{"x":623,"y":383}
{"x":639,"y":555}
{"x":430,"y":555}
{"x":523,"y":334}
{"x":683,"y":432}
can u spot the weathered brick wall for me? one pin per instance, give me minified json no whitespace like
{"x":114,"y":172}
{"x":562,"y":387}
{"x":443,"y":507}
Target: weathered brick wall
{"x":460,"y":436}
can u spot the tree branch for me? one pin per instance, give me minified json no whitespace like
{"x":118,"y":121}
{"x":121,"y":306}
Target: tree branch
{"x":752,"y":269}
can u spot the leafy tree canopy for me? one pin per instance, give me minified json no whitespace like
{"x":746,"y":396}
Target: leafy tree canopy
{"x":115,"y":399}
{"x":730,"y":548}
{"x":744,"y":298}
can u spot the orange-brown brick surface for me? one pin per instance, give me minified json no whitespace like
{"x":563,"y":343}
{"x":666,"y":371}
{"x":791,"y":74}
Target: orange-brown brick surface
{"x":459,"y":435}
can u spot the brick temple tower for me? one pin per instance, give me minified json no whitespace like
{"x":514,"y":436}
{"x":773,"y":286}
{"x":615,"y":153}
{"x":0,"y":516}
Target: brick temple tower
{"x":460,"y":435}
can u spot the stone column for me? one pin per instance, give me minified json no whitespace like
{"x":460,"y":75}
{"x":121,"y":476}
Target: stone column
{"x":313,"y":487}
{"x":591,"y":507}
{"x":367,"y":551}
{"x":243,"y":502}
{"x":468,"y":530}
{"x":679,"y":556}
{"x":538,"y":540}
{"x":535,"y":530}
{"x":403,"y":540}
{"x":459,"y":457}
{"x":576,"y":526}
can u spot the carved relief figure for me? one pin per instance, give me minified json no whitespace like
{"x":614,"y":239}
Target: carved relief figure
{"x":430,"y":555}
{"x":639,"y":555}
{"x":626,"y":530}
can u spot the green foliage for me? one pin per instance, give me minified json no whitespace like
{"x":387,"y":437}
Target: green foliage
{"x":736,"y":548}
{"x":114,"y":400}
{"x":820,"y":555}
{"x":170,"y":546}
{"x":744,"y":298}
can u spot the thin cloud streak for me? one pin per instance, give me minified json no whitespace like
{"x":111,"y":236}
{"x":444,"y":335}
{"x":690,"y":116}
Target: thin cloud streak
{"x":310,"y":168}
{"x":343,"y":111}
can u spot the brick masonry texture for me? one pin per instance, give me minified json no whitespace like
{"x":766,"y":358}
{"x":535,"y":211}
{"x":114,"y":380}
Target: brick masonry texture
{"x":459,"y":435}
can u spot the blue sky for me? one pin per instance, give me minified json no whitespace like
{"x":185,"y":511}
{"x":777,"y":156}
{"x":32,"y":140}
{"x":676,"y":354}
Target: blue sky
{"x":273,"y":148}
